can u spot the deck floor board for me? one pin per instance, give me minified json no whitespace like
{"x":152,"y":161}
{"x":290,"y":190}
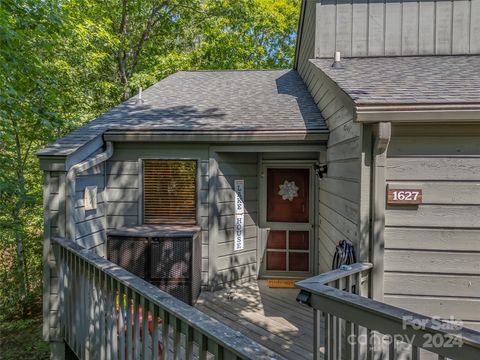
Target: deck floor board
{"x":270,"y":316}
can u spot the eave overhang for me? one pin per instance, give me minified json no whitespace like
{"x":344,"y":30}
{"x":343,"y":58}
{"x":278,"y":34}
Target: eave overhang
{"x":63,"y":162}
{"x":465,"y":112}
{"x":418,"y":113}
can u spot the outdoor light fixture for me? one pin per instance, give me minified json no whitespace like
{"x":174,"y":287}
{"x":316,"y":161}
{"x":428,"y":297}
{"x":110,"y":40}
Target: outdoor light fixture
{"x":303,"y":298}
{"x":320,"y":170}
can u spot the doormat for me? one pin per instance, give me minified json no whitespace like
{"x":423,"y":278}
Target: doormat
{"x":276,"y":283}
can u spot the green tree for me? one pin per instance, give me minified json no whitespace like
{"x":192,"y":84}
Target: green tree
{"x":29,"y":32}
{"x":63,"y":62}
{"x":146,"y":40}
{"x":223,"y":34}
{"x":247,"y":34}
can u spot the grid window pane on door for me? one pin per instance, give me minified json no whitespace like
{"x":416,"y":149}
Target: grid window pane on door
{"x":170,"y":191}
{"x":288,"y":250}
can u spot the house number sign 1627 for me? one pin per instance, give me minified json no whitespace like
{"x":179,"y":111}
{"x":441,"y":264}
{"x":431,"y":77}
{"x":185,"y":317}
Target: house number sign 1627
{"x":404,"y":196}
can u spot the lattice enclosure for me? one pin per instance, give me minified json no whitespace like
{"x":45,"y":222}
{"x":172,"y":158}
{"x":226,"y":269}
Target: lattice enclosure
{"x":171,"y":264}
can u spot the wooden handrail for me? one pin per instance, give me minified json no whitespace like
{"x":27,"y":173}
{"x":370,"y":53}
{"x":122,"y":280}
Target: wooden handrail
{"x":337,"y":274}
{"x":104,"y":309}
{"x":346,"y":314}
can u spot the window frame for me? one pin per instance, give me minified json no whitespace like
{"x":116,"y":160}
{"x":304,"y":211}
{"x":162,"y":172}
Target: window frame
{"x":141,"y":197}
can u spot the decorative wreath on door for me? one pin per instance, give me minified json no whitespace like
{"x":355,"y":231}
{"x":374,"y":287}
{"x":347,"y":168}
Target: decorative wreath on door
{"x":288,"y":190}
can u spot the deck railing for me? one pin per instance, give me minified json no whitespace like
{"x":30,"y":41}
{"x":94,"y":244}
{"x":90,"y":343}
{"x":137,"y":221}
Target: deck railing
{"x":108,"y":313}
{"x":350,"y":326}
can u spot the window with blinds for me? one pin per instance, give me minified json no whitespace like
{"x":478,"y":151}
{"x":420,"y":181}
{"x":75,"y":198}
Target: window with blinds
{"x":170,"y":191}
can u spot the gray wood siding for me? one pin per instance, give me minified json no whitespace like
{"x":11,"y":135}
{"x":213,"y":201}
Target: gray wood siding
{"x":306,"y":49}
{"x":91,"y":225}
{"x":432,"y":251}
{"x":339,"y":195}
{"x":227,"y":265}
{"x":119,"y":183}
{"x":393,"y":27}
{"x":124,"y":185}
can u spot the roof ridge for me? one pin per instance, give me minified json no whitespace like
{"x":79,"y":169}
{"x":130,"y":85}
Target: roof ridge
{"x":366,"y":58}
{"x":232,"y":70}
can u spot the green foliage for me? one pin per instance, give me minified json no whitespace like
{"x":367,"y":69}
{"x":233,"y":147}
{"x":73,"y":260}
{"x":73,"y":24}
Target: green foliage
{"x":63,"y":62}
{"x":247,"y":34}
{"x":138,"y":43}
{"x":22,"y":339}
{"x":29,"y":33}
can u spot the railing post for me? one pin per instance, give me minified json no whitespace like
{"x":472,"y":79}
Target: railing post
{"x":103,"y":316}
{"x":392,"y":355}
{"x":177,"y":330}
{"x":136,"y":326}
{"x":115,"y":315}
{"x":76,"y":296}
{"x":96,"y":333}
{"x":61,"y":287}
{"x":109,"y":315}
{"x":121,"y":321}
{"x":327,"y":336}
{"x":165,"y":331}
{"x":348,"y":326}
{"x":130,"y":307}
{"x":90,"y":328}
{"x":155,"y":339}
{"x":189,"y":337}
{"x":145,"y":335}
{"x":67,"y":285}
{"x":317,"y":334}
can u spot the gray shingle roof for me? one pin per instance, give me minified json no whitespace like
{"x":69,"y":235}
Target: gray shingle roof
{"x":270,"y":100}
{"x":407,"y":80}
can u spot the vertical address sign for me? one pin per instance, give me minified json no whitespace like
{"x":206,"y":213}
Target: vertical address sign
{"x":238,"y":242}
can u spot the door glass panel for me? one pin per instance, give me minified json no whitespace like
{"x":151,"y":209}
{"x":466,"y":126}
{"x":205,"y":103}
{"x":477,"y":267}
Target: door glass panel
{"x":276,"y":260}
{"x":298,"y":240}
{"x":288,"y":195}
{"x":298,"y":261}
{"x":277,"y":239}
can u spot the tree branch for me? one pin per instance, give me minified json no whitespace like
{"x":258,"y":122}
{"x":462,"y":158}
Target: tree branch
{"x":152,"y":21}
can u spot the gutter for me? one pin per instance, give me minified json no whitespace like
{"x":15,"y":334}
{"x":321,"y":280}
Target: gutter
{"x":247,"y":136}
{"x":70,"y":186}
{"x":383,"y":136}
{"x":446,"y":112}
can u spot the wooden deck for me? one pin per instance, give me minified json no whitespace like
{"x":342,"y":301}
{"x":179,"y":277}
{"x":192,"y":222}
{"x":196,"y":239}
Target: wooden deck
{"x":271,"y":317}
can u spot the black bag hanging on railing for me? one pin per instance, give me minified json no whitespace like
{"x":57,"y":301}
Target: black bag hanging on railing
{"x":344,"y":254}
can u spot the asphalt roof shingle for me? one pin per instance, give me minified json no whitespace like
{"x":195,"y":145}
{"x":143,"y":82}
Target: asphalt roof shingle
{"x":269,"y":100}
{"x":407,"y":80}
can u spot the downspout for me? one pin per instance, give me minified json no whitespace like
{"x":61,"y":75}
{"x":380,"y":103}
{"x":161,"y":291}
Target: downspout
{"x":383,"y":135}
{"x":70,"y":186}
